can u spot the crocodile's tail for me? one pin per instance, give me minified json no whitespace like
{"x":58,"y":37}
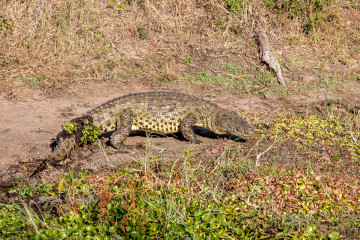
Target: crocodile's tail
{"x":66,"y":142}
{"x":62,"y":150}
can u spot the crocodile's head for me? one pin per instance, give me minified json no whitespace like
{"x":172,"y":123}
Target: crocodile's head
{"x":232,"y":124}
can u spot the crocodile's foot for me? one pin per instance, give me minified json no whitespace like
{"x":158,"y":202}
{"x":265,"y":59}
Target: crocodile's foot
{"x":196,"y":141}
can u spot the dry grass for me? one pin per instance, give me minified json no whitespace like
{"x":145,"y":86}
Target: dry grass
{"x":76,"y":41}
{"x":57,"y":39}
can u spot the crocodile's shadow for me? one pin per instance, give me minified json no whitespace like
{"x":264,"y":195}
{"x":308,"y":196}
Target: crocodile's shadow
{"x":198,"y":131}
{"x":208,"y":134}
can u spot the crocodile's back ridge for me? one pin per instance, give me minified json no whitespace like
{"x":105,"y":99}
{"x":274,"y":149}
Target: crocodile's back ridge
{"x":159,"y":112}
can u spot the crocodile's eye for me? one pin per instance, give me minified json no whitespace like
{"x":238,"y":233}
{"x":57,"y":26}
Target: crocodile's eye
{"x":239,"y":129}
{"x":249,"y":130}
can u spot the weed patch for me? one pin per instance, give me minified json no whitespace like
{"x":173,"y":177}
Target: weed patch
{"x":317,"y":135}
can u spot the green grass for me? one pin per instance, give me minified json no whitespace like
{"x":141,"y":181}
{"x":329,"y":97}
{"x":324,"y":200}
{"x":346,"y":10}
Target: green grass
{"x":232,"y":76}
{"x":207,"y":77}
{"x":33,"y":82}
{"x":313,"y":13}
{"x":326,"y":83}
{"x":243,"y":192}
{"x":188,"y":60}
{"x":235,"y":6}
{"x":259,"y":79}
{"x":233,"y":69}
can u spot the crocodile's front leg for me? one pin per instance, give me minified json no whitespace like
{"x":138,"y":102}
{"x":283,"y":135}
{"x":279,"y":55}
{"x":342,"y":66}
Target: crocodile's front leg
{"x":186,"y":128}
{"x":124,"y":122}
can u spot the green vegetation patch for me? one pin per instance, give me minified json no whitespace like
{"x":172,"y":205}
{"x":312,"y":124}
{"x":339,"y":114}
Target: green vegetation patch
{"x":317,"y":135}
{"x":70,"y":127}
{"x":234,"y":77}
{"x":33,"y":82}
{"x":89,"y":133}
{"x":284,"y":204}
{"x":13,"y":222}
{"x":207,"y":77}
{"x":234,"y":6}
{"x":230,"y":76}
{"x":227,"y":194}
{"x":313,"y":13}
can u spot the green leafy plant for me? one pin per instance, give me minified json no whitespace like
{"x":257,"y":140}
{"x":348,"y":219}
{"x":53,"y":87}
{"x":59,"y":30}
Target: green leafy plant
{"x":314,"y":133}
{"x":194,"y":196}
{"x":90,"y":133}
{"x":70,"y":127}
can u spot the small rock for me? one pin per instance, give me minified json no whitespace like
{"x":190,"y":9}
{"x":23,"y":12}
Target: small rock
{"x":307,"y":79}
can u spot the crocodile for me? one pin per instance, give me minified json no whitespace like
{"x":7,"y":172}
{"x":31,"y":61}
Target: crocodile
{"x":155,"y":112}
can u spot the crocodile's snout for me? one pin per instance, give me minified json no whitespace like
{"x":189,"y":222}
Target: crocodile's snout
{"x":244,"y":129}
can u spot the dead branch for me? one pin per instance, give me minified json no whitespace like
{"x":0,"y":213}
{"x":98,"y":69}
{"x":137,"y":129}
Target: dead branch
{"x":266,"y":55}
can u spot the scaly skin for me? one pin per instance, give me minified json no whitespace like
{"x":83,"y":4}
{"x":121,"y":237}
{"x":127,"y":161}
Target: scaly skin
{"x":65,"y":143}
{"x":62,"y":150}
{"x":156,"y":112}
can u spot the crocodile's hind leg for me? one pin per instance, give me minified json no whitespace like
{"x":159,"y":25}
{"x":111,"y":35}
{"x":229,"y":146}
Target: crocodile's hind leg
{"x":186,"y":128}
{"x":124,"y":122}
